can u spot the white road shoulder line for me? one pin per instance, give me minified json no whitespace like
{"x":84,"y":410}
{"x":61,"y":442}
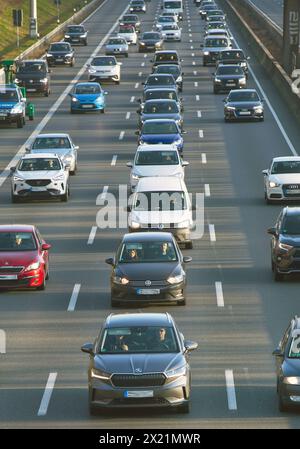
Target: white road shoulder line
{"x":47,"y":394}
{"x":74,"y":297}
{"x":231,"y":397}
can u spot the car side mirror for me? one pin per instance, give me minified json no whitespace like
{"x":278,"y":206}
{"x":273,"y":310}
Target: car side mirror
{"x":88,"y":66}
{"x":190,"y":345}
{"x":265,"y":172}
{"x":109,"y":261}
{"x":272,"y":231}
{"x":183,"y":132}
{"x":277,"y":352}
{"x":87,"y":348}
{"x":12,"y":169}
{"x":46,"y":247}
{"x":129,"y":164}
{"x":262,"y":100}
{"x":27,"y":150}
{"x":137,"y":133}
{"x":105,"y":93}
{"x":248,"y":58}
{"x":139,"y":101}
{"x":185,"y":163}
{"x":187,"y":259}
{"x":76,"y":147}
{"x":224,"y":100}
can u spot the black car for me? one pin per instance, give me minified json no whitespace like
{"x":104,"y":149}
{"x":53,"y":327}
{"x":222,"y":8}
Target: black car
{"x":243,"y":105}
{"x":151,"y":41}
{"x":60,"y":53}
{"x":172,"y":69}
{"x":204,"y":9}
{"x":228,"y":77}
{"x":165,"y":57}
{"x":154,"y":109}
{"x":139,"y":360}
{"x":143,"y":273}
{"x":288,"y":367}
{"x":131,"y":19}
{"x":137,"y":6}
{"x":76,"y":34}
{"x":33,"y":74}
{"x":285,"y":243}
{"x":234,"y":56}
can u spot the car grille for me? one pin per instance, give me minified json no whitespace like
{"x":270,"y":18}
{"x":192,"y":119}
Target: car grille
{"x":144,"y":380}
{"x":139,"y":401}
{"x":5,"y":111}
{"x":290,"y":190}
{"x":38,"y":182}
{"x":214,"y":55}
{"x":10,"y":270}
{"x":153,"y":283}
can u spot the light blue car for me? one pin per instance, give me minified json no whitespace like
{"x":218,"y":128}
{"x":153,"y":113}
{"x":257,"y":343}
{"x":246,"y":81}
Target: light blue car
{"x":87,"y":97}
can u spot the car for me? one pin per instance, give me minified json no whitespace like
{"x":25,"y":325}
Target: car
{"x":156,"y":94}
{"x":287,"y":359}
{"x":24,"y":258}
{"x":12,"y":105}
{"x":165,"y":57}
{"x":56,"y":143}
{"x":104,"y":68}
{"x":137,"y":6}
{"x":150,"y":370}
{"x":243,"y":105}
{"x":206,"y":7}
{"x":155,"y":160}
{"x":215,"y":13}
{"x":282,"y":179}
{"x":215,"y":25}
{"x":216,"y":18}
{"x":87,"y":97}
{"x":60,"y":53}
{"x":151,"y":41}
{"x":129,"y":34}
{"x":33,"y":74}
{"x":217,"y":32}
{"x":117,"y":46}
{"x":162,"y":203}
{"x":76,"y":34}
{"x":156,"y":109}
{"x":41,"y":175}
{"x":228,"y":77}
{"x":148,"y":268}
{"x":171,"y":32}
{"x":171,"y":14}
{"x":176,"y":6}
{"x":131,"y":20}
{"x":285,"y":243}
{"x":172,"y":69}
{"x":163,"y":20}
{"x":234,"y":56}
{"x":161,"y":80}
{"x":161,"y":131}
{"x":211,"y":48}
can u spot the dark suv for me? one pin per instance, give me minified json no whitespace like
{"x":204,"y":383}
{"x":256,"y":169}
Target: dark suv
{"x":60,"y":53}
{"x":33,"y":74}
{"x":165,"y":57}
{"x":139,"y":360}
{"x":76,"y":34}
{"x":288,"y":366}
{"x":234,"y":56}
{"x":285,"y":243}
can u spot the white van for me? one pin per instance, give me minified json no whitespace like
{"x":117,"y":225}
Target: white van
{"x":173,"y":6}
{"x":162,"y":204}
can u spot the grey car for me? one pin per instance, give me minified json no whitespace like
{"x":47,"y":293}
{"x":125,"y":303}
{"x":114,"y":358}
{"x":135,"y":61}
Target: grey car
{"x":117,"y":46}
{"x":161,"y":93}
{"x":139,"y":360}
{"x":172,"y":69}
{"x":212,"y":47}
{"x":161,"y":80}
{"x":154,"y":109}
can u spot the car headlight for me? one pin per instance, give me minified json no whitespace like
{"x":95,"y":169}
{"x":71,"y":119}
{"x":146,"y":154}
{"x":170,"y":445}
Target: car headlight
{"x":179,"y":79}
{"x":178,"y":372}
{"x":184,"y":224}
{"x":178,"y":142}
{"x":67,"y":36}
{"x":17,"y":109}
{"x":97,"y":374}
{"x":206,"y":53}
{"x":33,"y":266}
{"x":135,"y":177}
{"x":82,"y":35}
{"x":75,"y":100}
{"x":242,"y":81}
{"x":44,"y":80}
{"x":142,"y":43}
{"x":243,"y":64}
{"x":18,"y":179}
{"x":230,"y":108}
{"x":68,"y":157}
{"x":92,"y":70}
{"x":285,"y":246}
{"x":273,"y":184}
{"x":120,"y":280}
{"x":135,"y":225}
{"x":175,"y":279}
{"x":68,"y":55}
{"x":291,"y":380}
{"x":49,"y":55}
{"x":59,"y":177}
{"x":16,"y":80}
{"x":217,"y":80}
{"x":258,"y":109}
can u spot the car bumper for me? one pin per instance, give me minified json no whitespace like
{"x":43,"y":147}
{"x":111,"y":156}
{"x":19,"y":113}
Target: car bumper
{"x":76,"y":40}
{"x":10,"y":118}
{"x":167,"y":293}
{"x":182,"y":235}
{"x":236,"y":115}
{"x":290,"y":394}
{"x":223,"y":87}
{"x":116,"y":52}
{"x":169,"y":38}
{"x":32,"y":279}
{"x":60,"y":60}
{"x":104,"y":77}
{"x":87,"y":107}
{"x":280,"y":194}
{"x":34,"y":87}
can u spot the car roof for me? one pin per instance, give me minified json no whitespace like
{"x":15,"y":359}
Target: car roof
{"x":16,"y":228}
{"x":144,"y":236}
{"x":157,"y":147}
{"x":292,"y":210}
{"x":40,"y":61}
{"x":230,"y":65}
{"x":157,"y":183}
{"x":139,"y":319}
{"x":53,"y":135}
{"x":286,"y":158}
{"x":232,"y":50}
{"x":39,"y":156}
{"x":160,"y":100}
{"x":173,"y":89}
{"x":160,"y":75}
{"x":243,"y":90}
{"x":159,"y":52}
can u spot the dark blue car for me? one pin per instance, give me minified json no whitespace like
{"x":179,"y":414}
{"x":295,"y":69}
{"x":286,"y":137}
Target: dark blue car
{"x":87,"y":97}
{"x":161,"y":131}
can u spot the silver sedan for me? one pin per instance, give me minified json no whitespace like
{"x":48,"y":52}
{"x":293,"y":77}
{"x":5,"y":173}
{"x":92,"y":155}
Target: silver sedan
{"x":116,"y":46}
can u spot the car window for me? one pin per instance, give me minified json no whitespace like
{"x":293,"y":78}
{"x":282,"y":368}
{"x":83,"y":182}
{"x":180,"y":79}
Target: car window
{"x":8,"y":95}
{"x":160,"y":128}
{"x":75,"y":29}
{"x":225,"y":70}
{"x":147,"y":252}
{"x":160,"y":80}
{"x":168,"y":107}
{"x":159,"y":201}
{"x":31,"y":67}
{"x":39,"y":164}
{"x":103,"y":61}
{"x":170,"y":27}
{"x":232,"y":55}
{"x":285,"y":167}
{"x":116,"y":42}
{"x":87,"y":89}
{"x":151,"y":36}
{"x":214,"y":42}
{"x":173,"y":69}
{"x":157,"y":158}
{"x":243,"y":96}
{"x":60,"y":47}
{"x":43,"y":143}
{"x":161,"y":94}
{"x":291,"y":225}
{"x":294,"y":349}
{"x":17,"y":241}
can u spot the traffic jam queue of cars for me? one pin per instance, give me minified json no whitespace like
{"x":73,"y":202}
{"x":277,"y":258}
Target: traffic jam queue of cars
{"x":148,"y":265}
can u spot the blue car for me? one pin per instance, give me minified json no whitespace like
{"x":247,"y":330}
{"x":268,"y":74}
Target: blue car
{"x":87,"y":97}
{"x":161,"y":131}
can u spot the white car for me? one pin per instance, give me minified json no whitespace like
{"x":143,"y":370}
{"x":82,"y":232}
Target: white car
{"x":171,"y":32}
{"x":58,"y":143}
{"x":129,"y":34}
{"x":172,"y":14}
{"x":104,"y":68}
{"x":155,"y":160}
{"x":282,"y":179}
{"x":40,"y":176}
{"x":218,"y":32}
{"x":164,"y":20}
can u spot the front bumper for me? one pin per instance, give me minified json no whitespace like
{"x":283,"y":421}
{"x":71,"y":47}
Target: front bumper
{"x":7,"y":117}
{"x":103,"y":77}
{"x":30,"y":279}
{"x":51,"y":190}
{"x":283,"y":193}
{"x":223,"y":86}
{"x":35,"y":86}
{"x":86,"y":107}
{"x":167,"y":293}
{"x":290,"y":394}
{"x":59,"y":60}
{"x":182,"y":235}
{"x":171,"y":37}
{"x":243,"y":115}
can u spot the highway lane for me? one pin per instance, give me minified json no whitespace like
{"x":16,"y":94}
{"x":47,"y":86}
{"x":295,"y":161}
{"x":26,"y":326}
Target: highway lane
{"x":273,"y":9}
{"x":43,"y":337}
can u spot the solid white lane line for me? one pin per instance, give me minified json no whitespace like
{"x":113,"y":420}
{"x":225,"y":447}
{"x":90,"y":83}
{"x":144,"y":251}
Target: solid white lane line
{"x":47,"y":394}
{"x":199,"y":114}
{"x":201,"y":135}
{"x":92,"y":235}
{"x":132,"y":99}
{"x":128,"y":115}
{"x":207,"y":190}
{"x":219,"y":293}
{"x":122,"y":134}
{"x":203,"y":158}
{"x":104,"y":192}
{"x":114,"y":160}
{"x":212,"y":233}
{"x":197,"y":97}
{"x":231,"y":397}
{"x":75,"y":293}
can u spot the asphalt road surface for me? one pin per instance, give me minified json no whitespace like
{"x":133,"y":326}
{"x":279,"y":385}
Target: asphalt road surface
{"x":273,"y":9}
{"x":233,"y":377}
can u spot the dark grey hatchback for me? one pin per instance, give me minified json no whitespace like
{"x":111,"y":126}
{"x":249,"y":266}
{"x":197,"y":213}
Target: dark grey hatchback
{"x":139,"y":360}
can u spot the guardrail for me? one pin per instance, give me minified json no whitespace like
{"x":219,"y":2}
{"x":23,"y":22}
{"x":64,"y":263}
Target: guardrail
{"x":2,"y":76}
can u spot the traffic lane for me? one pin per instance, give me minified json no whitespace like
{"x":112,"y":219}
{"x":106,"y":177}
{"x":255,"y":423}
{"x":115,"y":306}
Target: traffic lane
{"x":273,"y":9}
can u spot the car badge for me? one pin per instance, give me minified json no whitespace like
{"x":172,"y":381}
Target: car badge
{"x":138,"y":371}
{"x":148,"y":283}
{"x":161,"y":226}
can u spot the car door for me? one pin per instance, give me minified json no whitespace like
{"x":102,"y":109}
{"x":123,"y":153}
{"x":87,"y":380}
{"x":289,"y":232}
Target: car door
{"x":282,"y":346}
{"x":44,"y":254}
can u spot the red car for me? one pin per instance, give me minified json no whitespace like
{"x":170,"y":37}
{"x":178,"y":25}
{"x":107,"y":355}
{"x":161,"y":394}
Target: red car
{"x":24,"y":258}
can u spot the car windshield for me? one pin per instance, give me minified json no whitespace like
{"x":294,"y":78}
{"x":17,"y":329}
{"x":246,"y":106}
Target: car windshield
{"x":137,"y":3}
{"x":103,"y":61}
{"x":215,"y":25}
{"x":161,"y":107}
{"x":60,"y":47}
{"x":225,"y":70}
{"x":151,"y":36}
{"x":232,"y":55}
{"x":147,"y":252}
{"x":285,"y":167}
{"x":8,"y":95}
{"x":294,"y":350}
{"x":174,"y":69}
{"x":39,"y":164}
{"x":75,"y":29}
{"x":170,"y":27}
{"x":243,"y":96}
{"x":160,"y":128}
{"x":172,"y":5}
{"x":165,"y":19}
{"x":130,"y":19}
{"x":215,"y":42}
{"x":87,"y":89}
{"x":17,"y":241}
{"x":116,"y":42}
{"x":160,"y":80}
{"x":159,"y":201}
{"x":42,"y":143}
{"x":31,"y":67}
{"x":208,"y":7}
{"x":214,"y":12}
{"x":126,"y":30}
{"x":157,"y":158}
{"x":291,"y":225}
{"x":160,"y":94}
{"x":166,"y":57}
{"x":214,"y":18}
{"x":132,"y":340}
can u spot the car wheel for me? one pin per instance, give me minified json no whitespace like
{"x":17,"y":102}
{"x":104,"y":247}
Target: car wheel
{"x":15,"y":199}
{"x":64,"y":198}
{"x":278,"y":277}
{"x":189,"y":245}
{"x":114,"y":303}
{"x":93,"y":410}
{"x":47,"y":93}
{"x":20,"y":122}
{"x":48,"y":273}
{"x":281,"y":404}
{"x":102,"y":111}
{"x":216,"y":91}
{"x":267,"y":200}
{"x":85,"y":43}
{"x":117,"y":82}
{"x":72,"y":63}
{"x":226,"y":120}
{"x":182,"y":302}
{"x":184,"y":408}
{"x":43,"y":286}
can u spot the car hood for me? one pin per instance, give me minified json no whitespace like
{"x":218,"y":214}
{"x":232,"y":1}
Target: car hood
{"x":87,"y":97}
{"x":232,"y":61}
{"x":291,"y":367}
{"x":59,"y":53}
{"x":164,"y":217}
{"x":161,"y":138}
{"x":43,"y":174}
{"x":141,"y":271}
{"x":210,"y":49}
{"x":100,"y":68}
{"x":286,"y":178}
{"x":59,"y":151}
{"x":174,"y":116}
{"x":17,"y":258}
{"x":157,"y":170}
{"x":244,"y":104}
{"x":129,"y":363}
{"x":230,"y":77}
{"x":31,"y":76}
{"x":160,"y":86}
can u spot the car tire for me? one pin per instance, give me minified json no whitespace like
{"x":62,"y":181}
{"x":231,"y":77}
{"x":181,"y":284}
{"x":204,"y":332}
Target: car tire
{"x":278,"y":277}
{"x":114,"y":302}
{"x":216,"y":91}
{"x":64,"y":198}
{"x":20,"y":122}
{"x":72,"y":63}
{"x":281,"y":405}
{"x":184,"y":408}
{"x":85,"y":43}
{"x":226,"y":120}
{"x":15,"y":199}
{"x":93,"y":410}
{"x":189,"y":245}
{"x":261,"y":119}
{"x":102,"y":111}
{"x":47,"y":93}
{"x":182,"y":302}
{"x":48,"y":273}
{"x":117,"y":82}
{"x":43,"y":286}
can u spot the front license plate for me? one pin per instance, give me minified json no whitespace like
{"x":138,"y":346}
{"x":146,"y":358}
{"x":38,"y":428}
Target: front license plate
{"x":59,"y":59}
{"x":75,"y":40}
{"x":138,"y":394}
{"x":87,"y":106}
{"x":230,"y":84}
{"x":245,"y":113}
{"x":148,"y":291}
{"x":30,"y":90}
{"x":11,"y":277}
{"x":2,"y":117}
{"x":37,"y":189}
{"x":295,"y":191}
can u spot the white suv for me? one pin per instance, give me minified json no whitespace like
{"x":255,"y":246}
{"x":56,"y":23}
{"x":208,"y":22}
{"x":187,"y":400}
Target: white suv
{"x":282,"y":179}
{"x":40,"y":176}
{"x":104,"y":68}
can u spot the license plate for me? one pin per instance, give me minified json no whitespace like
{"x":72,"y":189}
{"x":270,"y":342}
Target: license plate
{"x":37,"y":189}
{"x":230,"y":84}
{"x":30,"y":90}
{"x":2,"y":117}
{"x":3,"y":114}
{"x":11,"y":277}
{"x":59,"y":59}
{"x":138,"y":394}
{"x":87,"y":106}
{"x":296,"y":191}
{"x":75,"y":40}
{"x":245,"y":113}
{"x":148,"y":291}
